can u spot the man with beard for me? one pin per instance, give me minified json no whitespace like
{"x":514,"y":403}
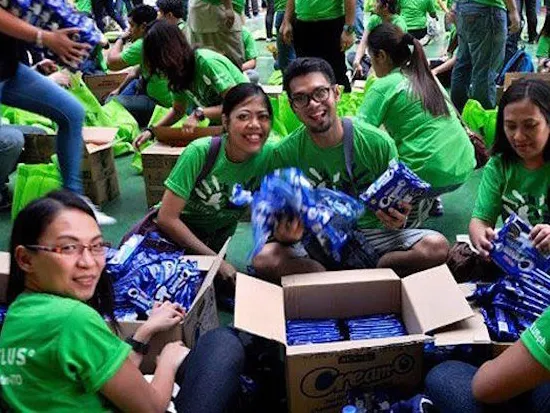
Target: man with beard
{"x":317,"y":149}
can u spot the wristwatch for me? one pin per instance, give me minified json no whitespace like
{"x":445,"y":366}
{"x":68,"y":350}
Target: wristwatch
{"x":199,"y":114}
{"x":348,"y":28}
{"x":138,"y":346}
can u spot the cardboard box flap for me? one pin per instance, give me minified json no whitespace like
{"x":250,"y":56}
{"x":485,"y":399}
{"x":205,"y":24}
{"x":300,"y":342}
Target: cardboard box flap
{"x":98,"y":138}
{"x":4,"y":263}
{"x":432,"y":299}
{"x":159,"y":148}
{"x":342,"y":346}
{"x":260,"y":308}
{"x":470,"y":331}
{"x":338,"y":277}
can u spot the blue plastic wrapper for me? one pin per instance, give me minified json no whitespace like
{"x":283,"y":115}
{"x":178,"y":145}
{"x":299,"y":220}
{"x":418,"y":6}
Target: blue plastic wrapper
{"x":53,"y":15}
{"x":147,"y":269}
{"x":514,"y":252}
{"x":387,"y":401}
{"x":3,"y":312}
{"x":375,"y":326}
{"x":397,"y":184}
{"x":312,"y":331}
{"x":288,"y":193}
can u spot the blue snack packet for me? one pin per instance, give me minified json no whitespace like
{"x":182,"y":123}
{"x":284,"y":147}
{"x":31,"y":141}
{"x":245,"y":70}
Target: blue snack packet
{"x":514,"y":252}
{"x":397,"y":184}
{"x":300,"y":332}
{"x":375,"y":326}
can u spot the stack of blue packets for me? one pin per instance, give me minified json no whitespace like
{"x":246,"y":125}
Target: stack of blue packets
{"x":312,"y":331}
{"x":375,"y":326}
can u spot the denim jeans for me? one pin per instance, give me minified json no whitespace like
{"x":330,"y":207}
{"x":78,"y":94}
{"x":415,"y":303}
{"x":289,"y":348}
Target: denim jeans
{"x":286,"y":53}
{"x":481,"y":45}
{"x":209,"y":376}
{"x":112,"y":9}
{"x":11,"y":145}
{"x":359,"y":14}
{"x":141,"y":107}
{"x":531,"y":14}
{"x":31,"y":91}
{"x":449,"y":386}
{"x":269,"y":18}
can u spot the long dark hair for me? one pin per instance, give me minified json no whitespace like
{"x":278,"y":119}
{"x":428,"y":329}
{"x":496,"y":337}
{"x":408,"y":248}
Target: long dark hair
{"x":239,"y":93}
{"x":28,"y":227}
{"x":395,"y":43}
{"x":166,"y":52}
{"x":538,"y":93}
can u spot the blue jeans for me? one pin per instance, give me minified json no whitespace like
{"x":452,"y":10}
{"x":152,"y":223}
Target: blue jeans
{"x":449,"y":386}
{"x":209,"y":376}
{"x":481,"y":44}
{"x":286,"y":53}
{"x":31,"y":91}
{"x":359,"y":28}
{"x":11,"y":145}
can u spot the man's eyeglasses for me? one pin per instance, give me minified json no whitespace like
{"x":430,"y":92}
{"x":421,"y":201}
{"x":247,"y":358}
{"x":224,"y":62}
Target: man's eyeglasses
{"x":97,"y":249}
{"x":319,"y":95}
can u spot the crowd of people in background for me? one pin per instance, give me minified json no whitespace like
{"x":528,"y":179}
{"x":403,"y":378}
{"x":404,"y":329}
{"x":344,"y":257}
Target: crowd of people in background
{"x":198,"y":60}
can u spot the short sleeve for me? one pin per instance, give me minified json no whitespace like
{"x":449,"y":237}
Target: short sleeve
{"x":220,"y":76}
{"x":181,"y":180}
{"x":374,"y":107}
{"x":372,"y":22}
{"x":489,"y":195}
{"x":181,"y":97}
{"x":250,"y":49}
{"x":431,"y":6}
{"x":132,"y":55}
{"x":537,"y":339}
{"x":88,"y":351}
{"x":285,"y":153}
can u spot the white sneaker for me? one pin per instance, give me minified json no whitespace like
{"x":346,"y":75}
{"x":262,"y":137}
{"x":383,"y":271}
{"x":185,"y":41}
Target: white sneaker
{"x":101,"y":217}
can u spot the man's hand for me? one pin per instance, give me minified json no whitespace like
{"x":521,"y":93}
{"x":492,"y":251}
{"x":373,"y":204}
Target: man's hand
{"x":515,"y":23}
{"x":142,"y":138}
{"x":540,"y":235}
{"x":394,"y":219}
{"x":346,"y":40}
{"x":286,"y":31}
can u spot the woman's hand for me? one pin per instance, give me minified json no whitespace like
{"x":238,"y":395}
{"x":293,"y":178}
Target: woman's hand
{"x":482,"y":241}
{"x":62,"y":78}
{"x":357,"y":67}
{"x":142,"y":138}
{"x":70,"y":52}
{"x":540,"y":235}
{"x":394,"y":219}
{"x":286,"y":32}
{"x":288,"y":230}
{"x":172,"y":355}
{"x":164,"y":316}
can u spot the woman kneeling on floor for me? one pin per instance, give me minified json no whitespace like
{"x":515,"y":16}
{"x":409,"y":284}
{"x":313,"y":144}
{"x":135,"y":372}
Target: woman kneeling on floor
{"x":57,"y":352}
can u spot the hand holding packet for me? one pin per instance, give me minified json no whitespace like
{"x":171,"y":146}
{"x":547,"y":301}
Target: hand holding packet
{"x":398,"y":184}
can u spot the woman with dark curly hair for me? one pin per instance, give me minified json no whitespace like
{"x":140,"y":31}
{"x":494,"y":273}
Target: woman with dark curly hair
{"x":196,"y":76}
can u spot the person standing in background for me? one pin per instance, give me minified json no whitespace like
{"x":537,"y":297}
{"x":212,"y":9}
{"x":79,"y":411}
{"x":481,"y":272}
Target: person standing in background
{"x":359,"y":16}
{"x":269,"y":15}
{"x":531,"y":15}
{"x":285,"y":52}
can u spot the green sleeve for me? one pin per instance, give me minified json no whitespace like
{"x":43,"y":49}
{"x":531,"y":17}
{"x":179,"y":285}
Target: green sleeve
{"x":286,"y":151}
{"x":374,"y":107}
{"x":431,"y":6}
{"x":181,"y":180}
{"x":373,"y":22}
{"x":132,"y":55}
{"x":537,"y":339}
{"x":88,"y":351}
{"x":488,"y":204}
{"x":543,"y":48}
{"x":220,"y":76}
{"x":250,"y":49}
{"x":376,"y":148}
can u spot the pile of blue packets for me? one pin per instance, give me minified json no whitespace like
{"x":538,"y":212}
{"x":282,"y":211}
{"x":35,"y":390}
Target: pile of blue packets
{"x":147,"y":269}
{"x":387,"y":401}
{"x":3,"y":312}
{"x":397,"y":184}
{"x":288,"y":193}
{"x":375,"y":326}
{"x":312,"y":331}
{"x":53,"y":15}
{"x":522,"y":293}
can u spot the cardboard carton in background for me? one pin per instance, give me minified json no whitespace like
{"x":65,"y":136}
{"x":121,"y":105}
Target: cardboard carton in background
{"x":102,"y":85}
{"x":158,"y":161}
{"x":319,"y":375}
{"x":4,"y":275}
{"x":510,"y":78}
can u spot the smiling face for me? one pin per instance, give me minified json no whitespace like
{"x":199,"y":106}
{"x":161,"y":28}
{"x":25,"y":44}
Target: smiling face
{"x":248,"y":126}
{"x":317,"y":116}
{"x":74,"y":276}
{"x":527,"y":131}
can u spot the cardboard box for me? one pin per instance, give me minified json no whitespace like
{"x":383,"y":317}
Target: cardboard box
{"x":102,"y":85}
{"x":158,"y":161}
{"x":200,"y":318}
{"x":4,"y":275}
{"x":99,"y":176}
{"x":319,"y":375}
{"x":512,"y":77}
{"x":272,"y":90}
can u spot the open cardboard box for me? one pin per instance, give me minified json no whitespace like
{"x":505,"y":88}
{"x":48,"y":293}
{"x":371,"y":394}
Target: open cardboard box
{"x":102,"y":85}
{"x":319,"y":375}
{"x":200,"y":318}
{"x":510,"y":78}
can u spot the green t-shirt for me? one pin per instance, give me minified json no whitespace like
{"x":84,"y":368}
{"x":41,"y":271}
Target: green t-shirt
{"x":313,"y":10}
{"x":250,"y":49}
{"x":492,"y":3}
{"x":326,"y":167}
{"x":83,"y":6}
{"x":508,"y":187}
{"x":214,"y":74}
{"x":207,"y":205}
{"x":55,"y":354}
{"x":280,"y":5}
{"x":414,"y":12}
{"x":543,"y":48}
{"x":238,"y":6}
{"x":436,"y":148}
{"x":157,"y":87}
{"x":375,"y":20}
{"x":537,"y":339}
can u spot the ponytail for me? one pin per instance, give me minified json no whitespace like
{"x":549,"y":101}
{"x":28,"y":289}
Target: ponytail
{"x":396,"y":44}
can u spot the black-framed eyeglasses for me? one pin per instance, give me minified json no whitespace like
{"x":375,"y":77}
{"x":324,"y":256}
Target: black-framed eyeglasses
{"x":97,"y":249}
{"x":319,"y":95}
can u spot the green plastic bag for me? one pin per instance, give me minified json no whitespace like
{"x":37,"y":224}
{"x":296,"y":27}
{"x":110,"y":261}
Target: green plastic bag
{"x":480,"y":120}
{"x":17,"y":116}
{"x":128,"y":127}
{"x":276,"y":78}
{"x":32,"y":182}
{"x":95,"y":116}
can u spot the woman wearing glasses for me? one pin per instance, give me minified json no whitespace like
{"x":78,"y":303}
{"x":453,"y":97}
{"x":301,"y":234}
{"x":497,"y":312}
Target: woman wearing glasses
{"x":57,"y":352}
{"x":417,"y":113}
